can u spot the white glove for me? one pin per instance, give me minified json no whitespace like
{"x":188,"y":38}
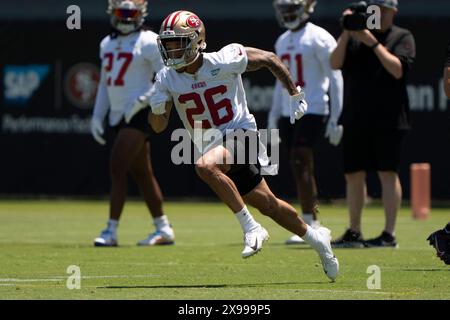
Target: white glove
{"x":159,"y":109}
{"x":298,"y":105}
{"x":139,"y":104}
{"x":272,"y":124}
{"x":97,"y":131}
{"x":334,"y":132}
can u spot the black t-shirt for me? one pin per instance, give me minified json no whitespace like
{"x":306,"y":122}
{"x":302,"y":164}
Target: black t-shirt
{"x":373,"y":98}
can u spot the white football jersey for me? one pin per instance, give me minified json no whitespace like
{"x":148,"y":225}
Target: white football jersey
{"x":214,"y":95}
{"x":128,"y":65}
{"x":306,"y":53}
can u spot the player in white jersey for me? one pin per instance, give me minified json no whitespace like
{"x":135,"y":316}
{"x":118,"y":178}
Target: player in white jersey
{"x":305,"y":49}
{"x":130,"y":57}
{"x":206,"y":88}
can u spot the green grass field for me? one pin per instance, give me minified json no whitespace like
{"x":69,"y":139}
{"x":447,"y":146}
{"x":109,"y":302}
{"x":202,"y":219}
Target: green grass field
{"x":40,"y":239}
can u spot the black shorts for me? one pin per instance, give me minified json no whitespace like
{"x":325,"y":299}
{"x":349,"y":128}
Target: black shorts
{"x":372,"y":150}
{"x":304,"y":133}
{"x":245,"y":175}
{"x":138,"y":122}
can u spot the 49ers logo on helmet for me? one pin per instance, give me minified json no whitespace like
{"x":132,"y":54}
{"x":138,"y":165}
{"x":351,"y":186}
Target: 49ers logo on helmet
{"x":193,"y":22}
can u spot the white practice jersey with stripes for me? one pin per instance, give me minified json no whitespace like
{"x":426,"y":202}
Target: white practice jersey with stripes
{"x":128,"y":66}
{"x":214,"y":97}
{"x":306,"y":53}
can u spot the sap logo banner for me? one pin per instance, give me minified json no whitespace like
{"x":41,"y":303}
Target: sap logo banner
{"x":21,"y":82}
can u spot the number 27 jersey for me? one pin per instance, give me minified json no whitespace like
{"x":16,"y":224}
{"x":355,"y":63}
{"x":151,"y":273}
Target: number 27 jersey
{"x":214,"y":97}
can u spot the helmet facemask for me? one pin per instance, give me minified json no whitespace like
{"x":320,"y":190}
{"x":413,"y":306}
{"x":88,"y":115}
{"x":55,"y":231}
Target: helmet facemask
{"x":127,"y":16}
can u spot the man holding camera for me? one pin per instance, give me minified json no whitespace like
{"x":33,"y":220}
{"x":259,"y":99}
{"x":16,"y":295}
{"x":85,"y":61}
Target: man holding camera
{"x":376,"y":112}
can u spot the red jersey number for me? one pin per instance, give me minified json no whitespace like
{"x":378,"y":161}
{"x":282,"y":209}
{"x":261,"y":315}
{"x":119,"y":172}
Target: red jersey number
{"x":213,"y":107}
{"x":125,"y":58}
{"x":286,"y":58}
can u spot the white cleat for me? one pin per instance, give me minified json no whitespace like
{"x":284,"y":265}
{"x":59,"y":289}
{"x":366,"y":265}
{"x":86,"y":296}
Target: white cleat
{"x":295,"y":239}
{"x":107,"y":238}
{"x":253,"y":241}
{"x":159,"y":238}
{"x":329,"y":261}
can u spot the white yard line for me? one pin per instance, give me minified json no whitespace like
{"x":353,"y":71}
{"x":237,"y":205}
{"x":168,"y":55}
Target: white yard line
{"x":59,"y":278}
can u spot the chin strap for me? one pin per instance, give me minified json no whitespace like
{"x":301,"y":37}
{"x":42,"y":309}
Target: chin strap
{"x":188,"y":64}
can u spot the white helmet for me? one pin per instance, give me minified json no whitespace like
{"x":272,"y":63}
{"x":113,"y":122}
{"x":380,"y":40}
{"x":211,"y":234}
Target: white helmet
{"x":292,"y":13}
{"x":188,"y":30}
{"x":127,"y":15}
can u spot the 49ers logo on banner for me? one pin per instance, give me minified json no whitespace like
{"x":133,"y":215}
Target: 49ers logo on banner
{"x":81,"y":85}
{"x":193,"y":22}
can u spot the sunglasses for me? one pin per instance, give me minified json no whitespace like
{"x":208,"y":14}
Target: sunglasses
{"x":126,"y":13}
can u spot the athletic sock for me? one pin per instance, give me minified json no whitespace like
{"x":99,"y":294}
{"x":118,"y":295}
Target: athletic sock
{"x":308,"y":218}
{"x":312,"y":237}
{"x":112,"y":225}
{"x":246,"y":220}
{"x":161,"y":222}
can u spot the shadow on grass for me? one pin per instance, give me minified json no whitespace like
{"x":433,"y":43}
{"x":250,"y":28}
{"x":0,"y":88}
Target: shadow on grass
{"x":212,"y":286}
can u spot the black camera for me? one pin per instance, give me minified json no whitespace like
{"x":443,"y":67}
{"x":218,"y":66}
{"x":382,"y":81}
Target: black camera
{"x":356,"y":21}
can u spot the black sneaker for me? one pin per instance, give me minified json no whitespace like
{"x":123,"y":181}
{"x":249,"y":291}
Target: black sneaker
{"x":350,"y":239}
{"x":440,"y":240}
{"x":384,"y":240}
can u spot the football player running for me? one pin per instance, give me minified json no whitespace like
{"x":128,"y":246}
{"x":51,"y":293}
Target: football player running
{"x":207,"y":89}
{"x":129,"y":56}
{"x":305,"y":49}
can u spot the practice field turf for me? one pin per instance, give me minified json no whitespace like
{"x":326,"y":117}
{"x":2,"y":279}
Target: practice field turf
{"x":40,"y":239}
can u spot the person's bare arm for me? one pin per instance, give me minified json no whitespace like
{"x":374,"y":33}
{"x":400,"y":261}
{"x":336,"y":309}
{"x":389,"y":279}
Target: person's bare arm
{"x":447,"y":81}
{"x":389,"y":61}
{"x":258,"y":59}
{"x":337,"y":57}
{"x":159,"y":122}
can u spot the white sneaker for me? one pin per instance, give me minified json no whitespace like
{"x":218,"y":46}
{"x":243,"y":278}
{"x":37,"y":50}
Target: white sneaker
{"x":107,"y":238}
{"x":159,"y":238}
{"x":329,"y":261}
{"x":295,"y":239}
{"x":253,"y":241}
